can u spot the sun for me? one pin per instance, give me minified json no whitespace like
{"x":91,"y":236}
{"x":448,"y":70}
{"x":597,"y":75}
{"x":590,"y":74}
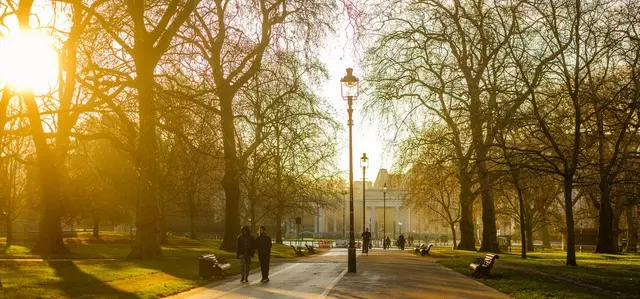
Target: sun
{"x":28,"y":61}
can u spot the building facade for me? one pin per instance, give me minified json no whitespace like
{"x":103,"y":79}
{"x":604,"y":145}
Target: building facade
{"x":383,"y":211}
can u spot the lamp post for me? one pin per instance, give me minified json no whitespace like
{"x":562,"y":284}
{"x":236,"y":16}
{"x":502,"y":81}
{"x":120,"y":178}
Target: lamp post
{"x":364,"y":161}
{"x":344,"y":234}
{"x":349,"y":91}
{"x":400,"y":226}
{"x":384,"y":216}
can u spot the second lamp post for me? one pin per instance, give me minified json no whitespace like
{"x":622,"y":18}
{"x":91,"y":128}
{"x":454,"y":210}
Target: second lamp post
{"x":384,"y":216}
{"x":364,"y":163}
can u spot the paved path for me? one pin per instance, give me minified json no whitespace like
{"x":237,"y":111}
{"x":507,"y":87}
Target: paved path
{"x":388,"y":274}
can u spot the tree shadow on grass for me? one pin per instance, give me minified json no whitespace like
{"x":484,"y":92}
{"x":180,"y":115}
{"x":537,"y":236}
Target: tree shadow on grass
{"x":76,"y":283}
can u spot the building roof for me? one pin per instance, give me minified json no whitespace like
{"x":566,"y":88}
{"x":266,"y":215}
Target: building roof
{"x":393,"y":181}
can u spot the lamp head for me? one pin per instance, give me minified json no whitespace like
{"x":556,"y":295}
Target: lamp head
{"x":349,"y":85}
{"x":364,"y":161}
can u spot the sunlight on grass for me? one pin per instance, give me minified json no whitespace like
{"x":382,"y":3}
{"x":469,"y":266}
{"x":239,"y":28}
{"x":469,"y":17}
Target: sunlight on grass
{"x":87,"y":275}
{"x":545,"y":275}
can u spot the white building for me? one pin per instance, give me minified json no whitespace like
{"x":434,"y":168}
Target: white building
{"x":335,"y":223}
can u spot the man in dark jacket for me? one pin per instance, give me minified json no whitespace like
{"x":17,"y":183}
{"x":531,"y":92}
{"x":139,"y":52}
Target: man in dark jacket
{"x":263,"y":246}
{"x":245,"y":250}
{"x":366,"y":240}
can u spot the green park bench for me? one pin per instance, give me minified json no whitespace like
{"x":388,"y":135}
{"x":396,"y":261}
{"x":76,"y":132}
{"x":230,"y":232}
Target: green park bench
{"x":310,"y":249}
{"x":482,"y":266}
{"x":298,"y":250}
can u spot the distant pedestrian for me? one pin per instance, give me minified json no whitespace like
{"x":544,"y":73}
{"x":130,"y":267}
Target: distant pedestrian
{"x":366,"y":241}
{"x":387,"y":242}
{"x":245,"y":249}
{"x":263,"y":246}
{"x":401,"y":241}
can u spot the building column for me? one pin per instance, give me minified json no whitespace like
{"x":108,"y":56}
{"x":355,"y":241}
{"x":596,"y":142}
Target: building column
{"x":397,"y":227}
{"x":373,"y":219}
{"x":409,"y":226}
{"x":335,"y":221}
{"x":320,"y":220}
{"x":316,"y":226}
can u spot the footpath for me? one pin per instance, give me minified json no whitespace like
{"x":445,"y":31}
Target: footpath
{"x":382,"y":274}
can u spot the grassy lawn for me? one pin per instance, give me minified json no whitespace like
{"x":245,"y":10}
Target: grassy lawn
{"x":545,"y":275}
{"x":88,"y":276}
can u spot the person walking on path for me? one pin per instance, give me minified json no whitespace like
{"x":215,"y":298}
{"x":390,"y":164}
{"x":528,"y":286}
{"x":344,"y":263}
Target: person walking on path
{"x":245,"y":249}
{"x":401,"y":241}
{"x":387,"y":242}
{"x":263,"y":246}
{"x":366,"y":240}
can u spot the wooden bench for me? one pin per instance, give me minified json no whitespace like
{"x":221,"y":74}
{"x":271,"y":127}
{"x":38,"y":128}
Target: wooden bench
{"x":418,"y":249}
{"x":310,"y":249}
{"x":297,"y":250}
{"x":482,"y":266}
{"x":213,"y":266}
{"x":425,"y":251}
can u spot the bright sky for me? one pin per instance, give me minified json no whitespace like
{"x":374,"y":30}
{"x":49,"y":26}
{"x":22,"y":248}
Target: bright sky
{"x":338,"y":55}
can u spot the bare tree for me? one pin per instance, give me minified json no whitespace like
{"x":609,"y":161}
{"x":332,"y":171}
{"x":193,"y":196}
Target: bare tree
{"x":225,"y":37}
{"x":434,"y":187}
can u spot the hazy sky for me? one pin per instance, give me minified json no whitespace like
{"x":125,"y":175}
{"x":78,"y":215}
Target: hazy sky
{"x":339,"y":54}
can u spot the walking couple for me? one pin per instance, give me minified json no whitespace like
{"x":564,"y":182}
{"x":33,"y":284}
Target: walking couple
{"x":245,"y":250}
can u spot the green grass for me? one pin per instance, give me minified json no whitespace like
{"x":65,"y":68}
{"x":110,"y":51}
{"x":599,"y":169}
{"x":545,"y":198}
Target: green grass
{"x":545,"y":275}
{"x":89,"y":275}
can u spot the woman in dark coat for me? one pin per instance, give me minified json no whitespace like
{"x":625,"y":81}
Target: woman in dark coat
{"x":245,"y":250}
{"x":401,"y":242}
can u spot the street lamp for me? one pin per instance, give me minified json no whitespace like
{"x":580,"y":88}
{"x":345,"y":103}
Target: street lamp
{"x":349,"y":91}
{"x":384,"y":215}
{"x":364,"y":163}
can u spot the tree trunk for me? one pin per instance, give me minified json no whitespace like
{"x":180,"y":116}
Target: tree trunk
{"x":96,"y":228}
{"x":230,"y":180}
{"x":529,"y":232}
{"x":615,"y":231}
{"x":477,"y":120}
{"x":489,"y":230}
{"x":605,"y":241}
{"x":467,"y":236}
{"x":523,"y":235}
{"x":546,"y":237}
{"x":146,"y":244}
{"x":453,"y":233}
{"x":164,"y":239}
{"x":568,"y":209}
{"x":252,"y":212}
{"x":9,"y":225}
{"x":522,"y":214}
{"x":632,"y":232}
{"x":192,"y":227}
{"x":279,"y":215}
{"x":192,"y":215}
{"x":50,"y":235}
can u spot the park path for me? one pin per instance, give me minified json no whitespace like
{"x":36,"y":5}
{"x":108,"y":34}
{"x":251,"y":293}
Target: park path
{"x":382,"y":274}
